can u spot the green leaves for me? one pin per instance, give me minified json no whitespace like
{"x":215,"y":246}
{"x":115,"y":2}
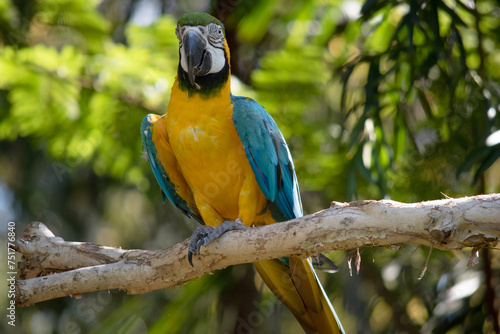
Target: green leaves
{"x":86,"y":108}
{"x":43,"y":89}
{"x":75,"y":21}
{"x":422,"y":67}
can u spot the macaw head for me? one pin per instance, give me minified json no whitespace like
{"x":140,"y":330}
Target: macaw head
{"x":203,"y":52}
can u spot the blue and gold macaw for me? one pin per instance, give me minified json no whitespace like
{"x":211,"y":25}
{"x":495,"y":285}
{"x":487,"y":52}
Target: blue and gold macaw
{"x":222,"y":160}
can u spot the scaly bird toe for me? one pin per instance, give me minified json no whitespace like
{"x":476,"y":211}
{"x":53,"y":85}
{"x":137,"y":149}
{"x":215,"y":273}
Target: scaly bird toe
{"x":196,"y":241}
{"x":204,"y":235}
{"x":323,"y":263}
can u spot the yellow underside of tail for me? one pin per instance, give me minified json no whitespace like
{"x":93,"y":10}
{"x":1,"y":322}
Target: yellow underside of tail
{"x":298,"y":288}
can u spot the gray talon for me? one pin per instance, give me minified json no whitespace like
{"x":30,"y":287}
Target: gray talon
{"x":205,"y":234}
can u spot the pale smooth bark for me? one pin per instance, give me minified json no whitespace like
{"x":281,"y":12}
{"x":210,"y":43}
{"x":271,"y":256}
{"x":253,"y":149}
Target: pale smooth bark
{"x":52,"y":268}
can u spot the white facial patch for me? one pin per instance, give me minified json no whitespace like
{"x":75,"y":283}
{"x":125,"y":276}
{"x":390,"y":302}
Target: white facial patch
{"x":215,"y":48}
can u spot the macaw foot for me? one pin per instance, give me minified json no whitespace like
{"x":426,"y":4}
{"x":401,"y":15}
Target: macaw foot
{"x":205,"y":234}
{"x":323,"y":263}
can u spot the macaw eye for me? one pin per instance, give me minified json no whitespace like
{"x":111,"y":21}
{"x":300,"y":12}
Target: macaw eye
{"x":215,"y":31}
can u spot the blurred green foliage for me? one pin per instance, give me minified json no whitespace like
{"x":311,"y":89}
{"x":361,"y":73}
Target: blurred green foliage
{"x":377,"y":99}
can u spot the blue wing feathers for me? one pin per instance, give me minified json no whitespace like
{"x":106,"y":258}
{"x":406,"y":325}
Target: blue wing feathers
{"x":266,"y":151}
{"x":166,"y":185}
{"x":268,"y":155}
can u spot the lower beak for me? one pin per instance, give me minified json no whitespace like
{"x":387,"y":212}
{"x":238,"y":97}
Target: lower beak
{"x":198,"y":60}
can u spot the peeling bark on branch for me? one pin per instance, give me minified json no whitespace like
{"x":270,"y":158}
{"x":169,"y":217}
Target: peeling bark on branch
{"x":53,"y":268}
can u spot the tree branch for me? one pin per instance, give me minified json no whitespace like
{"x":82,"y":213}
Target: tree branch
{"x":52,"y":268}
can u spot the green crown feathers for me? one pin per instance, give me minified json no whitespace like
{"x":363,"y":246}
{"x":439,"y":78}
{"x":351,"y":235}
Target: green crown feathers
{"x":198,"y":19}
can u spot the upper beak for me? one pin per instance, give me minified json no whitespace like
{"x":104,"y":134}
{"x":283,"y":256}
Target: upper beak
{"x":198,"y":60}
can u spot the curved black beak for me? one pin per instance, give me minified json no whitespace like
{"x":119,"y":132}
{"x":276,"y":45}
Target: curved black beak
{"x":198,"y":60}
